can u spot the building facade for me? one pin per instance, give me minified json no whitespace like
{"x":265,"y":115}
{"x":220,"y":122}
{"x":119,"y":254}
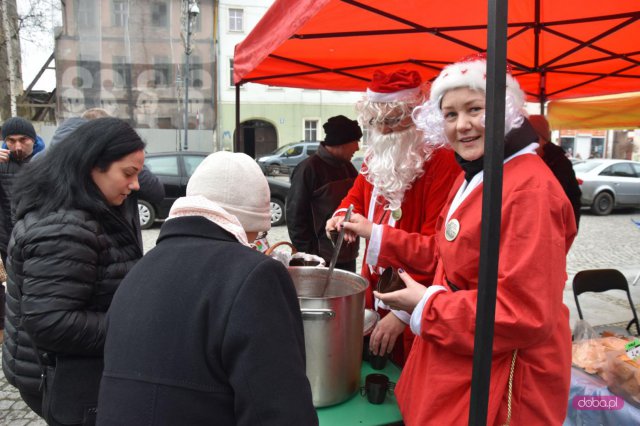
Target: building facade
{"x":129,"y":58}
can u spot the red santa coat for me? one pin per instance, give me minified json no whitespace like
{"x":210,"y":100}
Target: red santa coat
{"x":421,"y":205}
{"x":538,"y":227}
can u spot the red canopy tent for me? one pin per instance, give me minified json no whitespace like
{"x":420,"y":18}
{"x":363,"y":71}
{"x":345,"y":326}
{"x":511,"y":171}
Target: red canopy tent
{"x":557,"y":49}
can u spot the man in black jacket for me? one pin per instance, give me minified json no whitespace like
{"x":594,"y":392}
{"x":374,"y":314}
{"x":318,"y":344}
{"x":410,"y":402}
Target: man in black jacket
{"x":556,"y":158}
{"x":318,"y":184}
{"x":20,"y":143}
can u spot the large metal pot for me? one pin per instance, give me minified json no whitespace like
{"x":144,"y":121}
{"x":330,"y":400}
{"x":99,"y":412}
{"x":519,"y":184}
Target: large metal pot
{"x":333,"y":325}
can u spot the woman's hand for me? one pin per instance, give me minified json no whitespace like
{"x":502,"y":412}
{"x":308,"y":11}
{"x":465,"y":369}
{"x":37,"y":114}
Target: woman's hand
{"x":333,"y":224}
{"x":405,"y":299}
{"x":384,"y":335}
{"x":358,"y":226}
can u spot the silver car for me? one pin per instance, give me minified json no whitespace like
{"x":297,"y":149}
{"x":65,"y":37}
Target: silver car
{"x":607,"y":184}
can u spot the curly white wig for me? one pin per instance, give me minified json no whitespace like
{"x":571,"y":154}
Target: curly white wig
{"x":472,"y":74}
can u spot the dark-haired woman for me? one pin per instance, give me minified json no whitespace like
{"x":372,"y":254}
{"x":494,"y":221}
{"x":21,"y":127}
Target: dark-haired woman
{"x":70,"y":248}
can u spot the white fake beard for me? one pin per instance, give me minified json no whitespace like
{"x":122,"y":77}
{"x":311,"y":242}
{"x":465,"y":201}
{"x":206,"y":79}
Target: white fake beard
{"x":394,"y":161}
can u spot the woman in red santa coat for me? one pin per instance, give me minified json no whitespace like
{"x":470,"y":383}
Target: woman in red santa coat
{"x":532,"y":343}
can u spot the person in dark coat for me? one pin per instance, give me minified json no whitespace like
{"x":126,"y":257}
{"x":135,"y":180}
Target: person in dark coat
{"x":556,"y":159}
{"x":151,"y":189}
{"x":318,"y":184}
{"x":206,"y":330}
{"x":20,"y":144}
{"x":70,"y":248}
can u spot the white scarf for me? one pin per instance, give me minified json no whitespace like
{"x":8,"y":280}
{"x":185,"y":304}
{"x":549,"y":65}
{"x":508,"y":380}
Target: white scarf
{"x":197,"y":205}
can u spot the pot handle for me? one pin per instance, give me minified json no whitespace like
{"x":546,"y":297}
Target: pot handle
{"x":317,"y":314}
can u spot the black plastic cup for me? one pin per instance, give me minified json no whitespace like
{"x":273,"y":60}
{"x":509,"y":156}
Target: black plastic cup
{"x":389,"y":281}
{"x":378,"y":361}
{"x":375,"y":388}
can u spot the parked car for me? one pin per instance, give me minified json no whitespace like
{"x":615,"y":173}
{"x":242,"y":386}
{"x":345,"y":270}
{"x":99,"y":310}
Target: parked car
{"x":284,"y":159}
{"x":174,"y":170}
{"x":357,"y":162}
{"x":608,"y":184}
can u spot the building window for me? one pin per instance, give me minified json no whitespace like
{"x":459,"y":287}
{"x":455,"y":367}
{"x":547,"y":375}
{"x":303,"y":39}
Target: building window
{"x":85,"y":14}
{"x":119,"y":13}
{"x":235,"y":19}
{"x":195,"y":72}
{"x":88,"y":74}
{"x":159,"y":14}
{"x":231,"y":83}
{"x":121,"y":72}
{"x":310,"y":130}
{"x":568,"y":144}
{"x":597,"y":148}
{"x":161,"y":71}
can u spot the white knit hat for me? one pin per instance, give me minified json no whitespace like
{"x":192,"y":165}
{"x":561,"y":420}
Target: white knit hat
{"x":235,"y":182}
{"x":471,"y":73}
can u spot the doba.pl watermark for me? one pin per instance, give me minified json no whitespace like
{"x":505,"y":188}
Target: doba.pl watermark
{"x":586,"y":402}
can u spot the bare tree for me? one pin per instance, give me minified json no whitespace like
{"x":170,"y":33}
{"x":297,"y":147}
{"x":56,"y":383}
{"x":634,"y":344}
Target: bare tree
{"x":35,"y":17}
{"x":28,"y":22}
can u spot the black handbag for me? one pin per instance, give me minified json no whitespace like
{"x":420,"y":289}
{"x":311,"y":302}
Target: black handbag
{"x":70,"y":390}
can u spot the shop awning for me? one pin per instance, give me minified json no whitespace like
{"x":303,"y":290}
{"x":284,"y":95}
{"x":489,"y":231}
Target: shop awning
{"x":606,"y":112}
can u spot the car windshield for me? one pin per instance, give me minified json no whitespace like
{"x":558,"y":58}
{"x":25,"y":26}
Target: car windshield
{"x":585,"y":167}
{"x":282,"y":149}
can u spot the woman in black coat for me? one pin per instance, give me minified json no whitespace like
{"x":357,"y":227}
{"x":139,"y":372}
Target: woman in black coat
{"x":206,"y":330}
{"x":70,"y":248}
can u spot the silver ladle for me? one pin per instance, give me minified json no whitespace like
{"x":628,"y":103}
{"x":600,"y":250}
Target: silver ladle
{"x":336,"y":251}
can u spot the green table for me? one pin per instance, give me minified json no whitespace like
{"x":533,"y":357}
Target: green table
{"x":358,"y":411}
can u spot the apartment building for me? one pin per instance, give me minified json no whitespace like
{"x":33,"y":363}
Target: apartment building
{"x":129,"y":57}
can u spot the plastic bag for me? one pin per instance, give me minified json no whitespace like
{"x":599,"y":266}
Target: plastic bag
{"x":589,"y":351}
{"x":622,"y":376}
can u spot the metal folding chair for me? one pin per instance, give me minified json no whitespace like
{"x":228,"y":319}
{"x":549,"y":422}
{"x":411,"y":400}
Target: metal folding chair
{"x":600,"y":280}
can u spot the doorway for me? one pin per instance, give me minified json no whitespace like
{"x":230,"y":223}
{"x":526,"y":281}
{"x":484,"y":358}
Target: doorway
{"x":257,"y":138}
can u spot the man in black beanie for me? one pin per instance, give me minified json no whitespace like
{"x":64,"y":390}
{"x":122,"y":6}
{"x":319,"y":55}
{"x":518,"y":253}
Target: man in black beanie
{"x":19,"y":144}
{"x":318,"y":184}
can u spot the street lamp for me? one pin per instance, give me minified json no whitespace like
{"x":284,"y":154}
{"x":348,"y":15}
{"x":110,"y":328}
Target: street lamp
{"x":192,"y":12}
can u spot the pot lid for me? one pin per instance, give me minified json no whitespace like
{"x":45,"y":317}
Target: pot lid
{"x":371,"y":318}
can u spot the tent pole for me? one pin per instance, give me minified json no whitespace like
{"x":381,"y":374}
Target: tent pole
{"x":236,"y":139}
{"x":491,"y":211}
{"x":543,"y":91}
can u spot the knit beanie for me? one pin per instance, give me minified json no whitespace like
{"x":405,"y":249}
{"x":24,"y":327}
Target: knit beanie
{"x":340,"y":130}
{"x":235,"y":182}
{"x":18,"y":126}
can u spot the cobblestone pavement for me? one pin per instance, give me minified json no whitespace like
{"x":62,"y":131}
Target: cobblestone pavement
{"x":603,"y":242}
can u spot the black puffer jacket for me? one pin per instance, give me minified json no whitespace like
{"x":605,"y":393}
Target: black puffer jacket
{"x":67,"y":266}
{"x":8,"y":172}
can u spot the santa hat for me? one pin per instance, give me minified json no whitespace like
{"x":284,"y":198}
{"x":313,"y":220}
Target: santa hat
{"x":472,"y":73}
{"x":399,"y":86}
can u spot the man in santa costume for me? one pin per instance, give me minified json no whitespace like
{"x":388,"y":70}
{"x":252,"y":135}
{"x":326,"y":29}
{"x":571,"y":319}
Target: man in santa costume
{"x":403,"y":184}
